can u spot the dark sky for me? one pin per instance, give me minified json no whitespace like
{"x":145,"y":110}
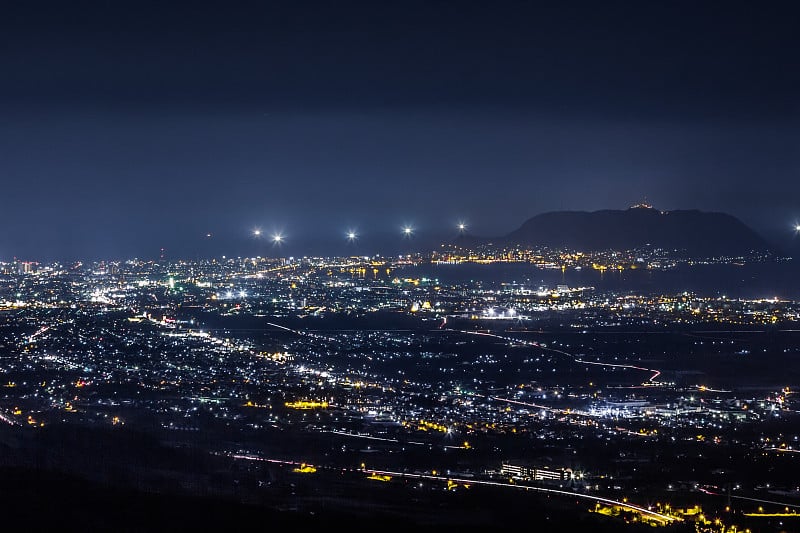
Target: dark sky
{"x":130,"y":126}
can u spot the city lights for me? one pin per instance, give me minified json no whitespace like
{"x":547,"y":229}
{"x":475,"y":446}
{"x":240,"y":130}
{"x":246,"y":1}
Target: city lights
{"x":434,"y":266}
{"x":474,"y":322}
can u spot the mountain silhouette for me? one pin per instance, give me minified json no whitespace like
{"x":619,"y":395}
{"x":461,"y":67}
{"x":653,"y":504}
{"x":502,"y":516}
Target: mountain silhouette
{"x":690,"y":231}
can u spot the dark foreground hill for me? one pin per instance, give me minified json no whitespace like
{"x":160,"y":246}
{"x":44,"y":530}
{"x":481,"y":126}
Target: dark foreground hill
{"x":86,"y":479}
{"x":38,"y":500}
{"x":690,"y":231}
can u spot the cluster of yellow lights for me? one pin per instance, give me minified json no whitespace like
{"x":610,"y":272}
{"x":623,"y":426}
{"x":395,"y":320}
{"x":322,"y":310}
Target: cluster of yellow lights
{"x":277,"y":356}
{"x":358,"y":384}
{"x":416,"y":307}
{"x":398,"y":281}
{"x":306,"y":404}
{"x":452,"y":485}
{"x":250,"y":403}
{"x":305,"y":469}
{"x":425,"y":426}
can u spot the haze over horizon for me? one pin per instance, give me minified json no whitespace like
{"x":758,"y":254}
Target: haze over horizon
{"x":130,"y":127}
{"x":386,"y":241}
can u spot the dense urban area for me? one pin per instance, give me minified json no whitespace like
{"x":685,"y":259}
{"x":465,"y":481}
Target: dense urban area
{"x":365,"y":386}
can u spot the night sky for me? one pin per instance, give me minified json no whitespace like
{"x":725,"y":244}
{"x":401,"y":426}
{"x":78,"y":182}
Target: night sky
{"x":126,"y":127}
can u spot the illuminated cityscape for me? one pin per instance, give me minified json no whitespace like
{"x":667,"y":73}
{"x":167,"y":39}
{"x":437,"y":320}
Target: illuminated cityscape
{"x":420,"y":265}
{"x":284,"y":371}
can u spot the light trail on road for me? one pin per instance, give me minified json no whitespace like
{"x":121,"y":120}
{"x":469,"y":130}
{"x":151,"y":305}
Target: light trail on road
{"x":575,"y":358}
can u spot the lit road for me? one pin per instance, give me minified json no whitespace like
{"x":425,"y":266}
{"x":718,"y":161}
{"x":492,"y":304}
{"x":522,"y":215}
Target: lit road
{"x":464,"y":481}
{"x":757,"y":500}
{"x":655,"y":372}
{"x":9,"y":421}
{"x":597,"y":499}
